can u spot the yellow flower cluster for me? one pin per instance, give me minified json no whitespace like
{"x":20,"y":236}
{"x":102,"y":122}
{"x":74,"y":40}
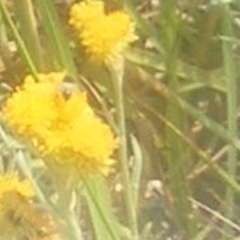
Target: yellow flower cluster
{"x":64,"y":129}
{"x":104,"y":36}
{"x":15,"y":198}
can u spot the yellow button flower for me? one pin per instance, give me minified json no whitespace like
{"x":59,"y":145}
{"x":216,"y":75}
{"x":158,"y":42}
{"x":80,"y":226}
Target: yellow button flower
{"x":104,"y":36}
{"x":64,"y":129}
{"x":15,"y":198}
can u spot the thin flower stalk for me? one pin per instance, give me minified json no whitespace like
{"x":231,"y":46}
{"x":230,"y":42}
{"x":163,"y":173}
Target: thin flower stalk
{"x":117,"y":78}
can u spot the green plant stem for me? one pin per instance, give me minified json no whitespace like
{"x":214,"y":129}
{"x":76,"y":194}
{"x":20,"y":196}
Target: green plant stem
{"x":5,"y":53}
{"x":58,"y":44}
{"x":28,"y":29}
{"x":223,"y":175}
{"x":64,"y":209}
{"x":22,"y":47}
{"x":207,"y":122}
{"x":176,"y":154}
{"x":74,"y":231}
{"x":231,"y":83}
{"x":21,"y":160}
{"x":117,"y":78}
{"x":106,"y":218}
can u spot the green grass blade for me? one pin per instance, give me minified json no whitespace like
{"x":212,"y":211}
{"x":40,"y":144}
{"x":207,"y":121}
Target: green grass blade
{"x":229,"y":181}
{"x":100,"y":208}
{"x":20,"y":43}
{"x":28,"y":29}
{"x":59,"y":43}
{"x":137,"y":170}
{"x":231,"y":83}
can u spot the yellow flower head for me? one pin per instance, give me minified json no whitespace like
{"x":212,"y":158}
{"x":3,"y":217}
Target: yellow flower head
{"x":15,"y":198}
{"x":104,"y":36}
{"x":64,"y":129}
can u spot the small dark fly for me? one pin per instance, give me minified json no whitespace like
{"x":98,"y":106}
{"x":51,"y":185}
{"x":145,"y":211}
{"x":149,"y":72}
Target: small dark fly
{"x":68,"y":87}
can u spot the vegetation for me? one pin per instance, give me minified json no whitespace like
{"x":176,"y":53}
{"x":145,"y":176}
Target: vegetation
{"x":144,"y":144}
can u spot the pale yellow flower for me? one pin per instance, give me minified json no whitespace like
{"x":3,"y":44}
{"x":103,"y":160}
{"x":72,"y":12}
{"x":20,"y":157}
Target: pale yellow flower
{"x":104,"y":36}
{"x":20,"y":216}
{"x":65,"y":131}
{"x":15,"y":198}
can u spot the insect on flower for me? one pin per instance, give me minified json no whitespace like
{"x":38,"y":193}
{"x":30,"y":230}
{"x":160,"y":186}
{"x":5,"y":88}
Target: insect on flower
{"x":57,"y":120}
{"x":67,"y":88}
